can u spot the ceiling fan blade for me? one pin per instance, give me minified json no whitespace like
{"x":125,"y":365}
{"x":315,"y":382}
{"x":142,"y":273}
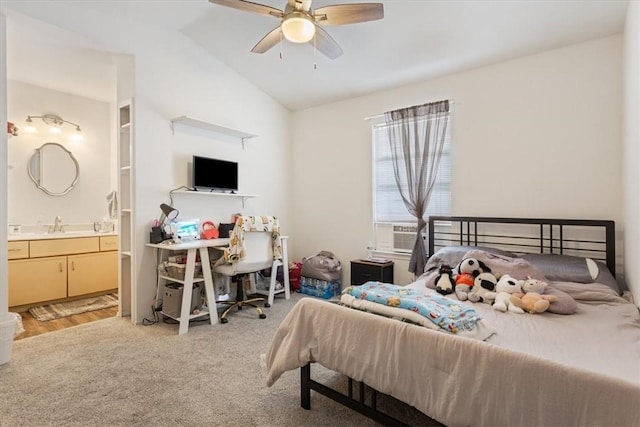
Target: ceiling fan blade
{"x":268,"y":41}
{"x":326,"y":44}
{"x":340,"y":14}
{"x":248,"y":6}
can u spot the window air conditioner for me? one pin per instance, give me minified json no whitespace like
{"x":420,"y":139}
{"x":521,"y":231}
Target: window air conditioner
{"x":396,"y":237}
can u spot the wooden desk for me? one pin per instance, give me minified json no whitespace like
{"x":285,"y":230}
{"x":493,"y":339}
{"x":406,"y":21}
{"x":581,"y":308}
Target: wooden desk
{"x":191,"y":248}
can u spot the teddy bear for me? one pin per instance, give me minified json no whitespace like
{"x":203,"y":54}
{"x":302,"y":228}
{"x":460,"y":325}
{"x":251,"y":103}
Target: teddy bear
{"x":467,"y":270}
{"x":531,"y":298}
{"x":534,"y":285}
{"x":532,"y":302}
{"x":506,"y":287}
{"x":483,"y":289}
{"x":444,"y":280}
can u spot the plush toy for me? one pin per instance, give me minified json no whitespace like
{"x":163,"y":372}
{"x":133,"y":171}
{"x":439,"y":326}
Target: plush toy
{"x":531,"y":298}
{"x":444,"y":281}
{"x":467,"y":271}
{"x":532,"y":302}
{"x":484,"y":287}
{"x":506,"y":287}
{"x":534,"y":285}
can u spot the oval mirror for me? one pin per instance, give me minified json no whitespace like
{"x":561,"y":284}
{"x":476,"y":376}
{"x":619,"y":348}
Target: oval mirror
{"x":53,"y":169}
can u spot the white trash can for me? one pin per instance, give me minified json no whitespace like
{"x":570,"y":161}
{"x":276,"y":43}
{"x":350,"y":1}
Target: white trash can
{"x":7,"y":332}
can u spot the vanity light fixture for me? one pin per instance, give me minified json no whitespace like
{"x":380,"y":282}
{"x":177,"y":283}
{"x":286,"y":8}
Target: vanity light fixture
{"x":55,"y":124}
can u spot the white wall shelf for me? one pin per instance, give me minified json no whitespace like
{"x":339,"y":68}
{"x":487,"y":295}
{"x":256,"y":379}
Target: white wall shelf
{"x":244,"y":197}
{"x":212,"y":127}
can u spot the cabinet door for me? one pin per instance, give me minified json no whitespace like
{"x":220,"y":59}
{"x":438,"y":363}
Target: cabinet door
{"x":36,"y":280}
{"x":92,"y":273}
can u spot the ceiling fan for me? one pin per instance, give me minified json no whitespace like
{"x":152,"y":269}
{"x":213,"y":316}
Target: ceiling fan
{"x":301,"y":24}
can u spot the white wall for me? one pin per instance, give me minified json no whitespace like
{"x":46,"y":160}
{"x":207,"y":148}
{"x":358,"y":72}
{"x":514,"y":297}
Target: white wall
{"x":4,"y":274}
{"x":86,"y":203}
{"x":631,"y":148}
{"x":539,"y":136}
{"x":174,"y":78}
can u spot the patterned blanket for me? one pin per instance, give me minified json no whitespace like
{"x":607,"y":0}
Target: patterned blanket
{"x":448,"y":314}
{"x":245,"y":224}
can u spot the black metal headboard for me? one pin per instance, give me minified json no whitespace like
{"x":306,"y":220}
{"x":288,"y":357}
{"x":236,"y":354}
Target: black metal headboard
{"x":588,"y":238}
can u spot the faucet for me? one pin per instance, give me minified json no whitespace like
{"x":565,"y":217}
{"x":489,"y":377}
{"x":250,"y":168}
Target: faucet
{"x":57,"y":225}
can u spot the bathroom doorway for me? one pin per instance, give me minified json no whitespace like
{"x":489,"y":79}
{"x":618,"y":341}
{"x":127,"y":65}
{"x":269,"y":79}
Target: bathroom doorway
{"x":51,"y":69}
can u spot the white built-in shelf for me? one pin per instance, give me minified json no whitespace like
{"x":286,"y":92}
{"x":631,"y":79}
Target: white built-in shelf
{"x":244,"y":197}
{"x":173,"y":279}
{"x":213,"y":193}
{"x":201,"y":124}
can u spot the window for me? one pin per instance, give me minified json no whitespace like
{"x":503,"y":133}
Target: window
{"x":388,"y":207}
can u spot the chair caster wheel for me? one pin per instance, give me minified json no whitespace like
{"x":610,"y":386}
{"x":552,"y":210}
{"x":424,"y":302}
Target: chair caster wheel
{"x":262,"y":316}
{"x":224,"y":320}
{"x":267,"y":305}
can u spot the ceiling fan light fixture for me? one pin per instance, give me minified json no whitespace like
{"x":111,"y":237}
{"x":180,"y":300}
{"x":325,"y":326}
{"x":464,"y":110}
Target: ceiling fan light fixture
{"x":298,"y":27}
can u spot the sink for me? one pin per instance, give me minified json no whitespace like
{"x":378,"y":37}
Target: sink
{"x":75,"y":233}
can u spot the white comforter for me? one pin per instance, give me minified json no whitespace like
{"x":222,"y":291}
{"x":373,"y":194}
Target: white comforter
{"x":537,"y":370}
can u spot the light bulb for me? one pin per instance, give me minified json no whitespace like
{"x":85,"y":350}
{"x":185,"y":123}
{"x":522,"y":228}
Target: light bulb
{"x":55,"y":130}
{"x":29,"y":127}
{"x":298,"y":28}
{"x":77,"y":136}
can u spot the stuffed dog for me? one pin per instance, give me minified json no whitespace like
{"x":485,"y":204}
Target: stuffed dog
{"x":484,"y":287}
{"x":467,"y":271}
{"x":506,"y":287}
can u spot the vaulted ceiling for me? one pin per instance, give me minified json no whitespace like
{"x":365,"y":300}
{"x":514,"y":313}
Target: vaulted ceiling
{"x":416,"y":40}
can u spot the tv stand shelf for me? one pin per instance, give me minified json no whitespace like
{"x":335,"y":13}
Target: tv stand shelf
{"x":244,"y":197}
{"x":201,"y":124}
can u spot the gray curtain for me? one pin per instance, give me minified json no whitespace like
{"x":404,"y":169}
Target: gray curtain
{"x":416,"y":137}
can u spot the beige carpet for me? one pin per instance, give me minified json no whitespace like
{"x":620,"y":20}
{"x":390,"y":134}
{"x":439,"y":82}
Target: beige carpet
{"x":111,"y":373}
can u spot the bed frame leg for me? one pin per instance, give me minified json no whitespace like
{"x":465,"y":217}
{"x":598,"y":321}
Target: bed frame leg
{"x":305,"y":389}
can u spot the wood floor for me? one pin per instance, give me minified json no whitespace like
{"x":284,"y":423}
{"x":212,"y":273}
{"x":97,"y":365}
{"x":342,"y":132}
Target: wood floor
{"x":34,"y":327}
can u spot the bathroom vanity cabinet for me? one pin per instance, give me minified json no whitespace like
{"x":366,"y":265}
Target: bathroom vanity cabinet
{"x":53,"y":269}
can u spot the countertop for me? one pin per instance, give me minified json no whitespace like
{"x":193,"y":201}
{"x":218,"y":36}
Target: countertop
{"x":57,"y":235}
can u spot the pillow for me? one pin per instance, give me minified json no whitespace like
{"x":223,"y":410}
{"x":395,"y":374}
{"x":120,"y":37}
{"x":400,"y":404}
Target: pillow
{"x":567,"y":268}
{"x":452,"y":255}
{"x":565,"y":304}
{"x":517,"y":268}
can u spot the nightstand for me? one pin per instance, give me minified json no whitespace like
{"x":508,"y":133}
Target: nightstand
{"x":363,"y":271}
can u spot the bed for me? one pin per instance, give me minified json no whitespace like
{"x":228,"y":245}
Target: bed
{"x":550,"y":369}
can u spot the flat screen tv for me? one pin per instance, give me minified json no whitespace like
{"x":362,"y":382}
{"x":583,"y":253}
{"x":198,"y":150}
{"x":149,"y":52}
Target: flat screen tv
{"x":214,"y":174}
